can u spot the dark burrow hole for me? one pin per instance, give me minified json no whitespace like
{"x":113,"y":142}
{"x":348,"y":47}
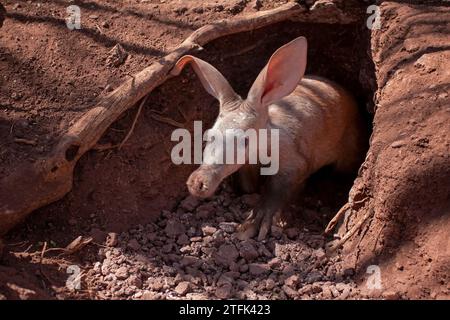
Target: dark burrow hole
{"x":338,"y":52}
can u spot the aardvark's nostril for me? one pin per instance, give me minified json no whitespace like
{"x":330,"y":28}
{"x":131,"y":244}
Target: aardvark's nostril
{"x":203,"y":186}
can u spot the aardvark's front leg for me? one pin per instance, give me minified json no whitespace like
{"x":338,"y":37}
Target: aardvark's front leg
{"x":275,"y":196}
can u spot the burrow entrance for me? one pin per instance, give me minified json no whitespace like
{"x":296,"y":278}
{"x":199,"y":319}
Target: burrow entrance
{"x":171,"y":249}
{"x":147,"y":177}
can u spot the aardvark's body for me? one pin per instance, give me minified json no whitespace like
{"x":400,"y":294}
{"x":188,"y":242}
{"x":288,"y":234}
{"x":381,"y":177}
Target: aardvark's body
{"x":318,"y":125}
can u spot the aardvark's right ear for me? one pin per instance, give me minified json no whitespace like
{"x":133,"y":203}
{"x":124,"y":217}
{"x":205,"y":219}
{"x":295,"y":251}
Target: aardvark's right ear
{"x":213,"y":81}
{"x":282,"y":73}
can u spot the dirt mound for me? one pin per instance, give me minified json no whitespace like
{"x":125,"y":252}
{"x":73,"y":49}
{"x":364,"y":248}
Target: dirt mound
{"x":406,"y":173}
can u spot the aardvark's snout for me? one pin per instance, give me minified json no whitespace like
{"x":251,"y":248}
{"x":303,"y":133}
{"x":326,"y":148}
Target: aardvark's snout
{"x":202,"y":183}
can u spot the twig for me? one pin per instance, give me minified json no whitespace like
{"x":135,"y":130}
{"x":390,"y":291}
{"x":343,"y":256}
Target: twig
{"x":103,"y":147}
{"x":44,"y":248}
{"x":99,"y":29}
{"x":166,"y":120}
{"x":41,"y":266}
{"x":134,"y":122}
{"x":25,"y":141}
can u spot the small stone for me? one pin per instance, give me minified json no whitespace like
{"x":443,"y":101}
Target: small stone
{"x":243,"y":268}
{"x":122,"y":273}
{"x":291,"y":293}
{"x":390,"y":295}
{"x":258,"y":269}
{"x":289,"y":270}
{"x":198,"y":10}
{"x":189,"y":203}
{"x":270,"y":284}
{"x":182,"y":288}
{"x":345,"y":294}
{"x":313,"y":276}
{"x":167,"y":248}
{"x":208,"y":230}
{"x":326,"y":292}
{"x":398,"y":144}
{"x":411,"y":45}
{"x":174,"y":228}
{"x":292,"y":281}
{"x":156,"y":284}
{"x":318,"y":253}
{"x":134,"y":245}
{"x":292,"y":233}
{"x":93,"y":16}
{"x":112,"y":239}
{"x":274,"y":263}
{"x":135,"y":281}
{"x":399,"y":266}
{"x":248,"y":251}
{"x":183,"y":240}
{"x":188,"y":261}
{"x":116,"y":56}
{"x":226,"y":255}
{"x":224,"y":291}
{"x":205,"y":211}
{"x":150,"y":295}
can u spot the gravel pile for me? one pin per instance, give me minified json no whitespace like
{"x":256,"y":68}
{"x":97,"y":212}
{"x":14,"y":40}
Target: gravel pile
{"x":193,"y":253}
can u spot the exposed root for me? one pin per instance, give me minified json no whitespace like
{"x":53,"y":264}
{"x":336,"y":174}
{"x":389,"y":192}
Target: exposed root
{"x":171,"y":122}
{"x":134,"y":122}
{"x":337,"y":217}
{"x":348,"y":206}
{"x":351,"y":232}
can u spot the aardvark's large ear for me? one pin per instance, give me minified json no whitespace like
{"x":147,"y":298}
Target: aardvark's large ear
{"x":282,"y":73}
{"x":213,"y":81}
